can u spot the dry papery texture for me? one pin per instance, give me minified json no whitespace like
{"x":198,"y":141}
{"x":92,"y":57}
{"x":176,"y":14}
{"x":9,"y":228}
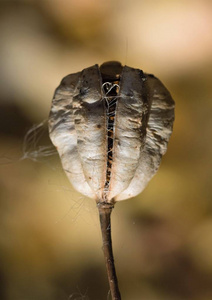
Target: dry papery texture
{"x":142,"y":121}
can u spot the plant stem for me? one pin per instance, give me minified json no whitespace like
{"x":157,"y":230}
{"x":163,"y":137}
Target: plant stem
{"x":105,"y":210}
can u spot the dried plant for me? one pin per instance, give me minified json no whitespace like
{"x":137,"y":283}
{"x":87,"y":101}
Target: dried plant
{"x":111,"y":125}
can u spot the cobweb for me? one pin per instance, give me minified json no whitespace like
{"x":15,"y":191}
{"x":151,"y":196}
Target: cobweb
{"x":33,"y":147}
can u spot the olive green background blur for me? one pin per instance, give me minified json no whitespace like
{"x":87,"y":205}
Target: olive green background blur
{"x":50,"y":241}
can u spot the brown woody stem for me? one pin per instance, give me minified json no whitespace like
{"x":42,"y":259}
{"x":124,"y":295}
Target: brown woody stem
{"x":105,"y":210}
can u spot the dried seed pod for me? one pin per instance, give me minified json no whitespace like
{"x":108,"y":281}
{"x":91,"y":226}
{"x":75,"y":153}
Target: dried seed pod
{"x":111,"y":125}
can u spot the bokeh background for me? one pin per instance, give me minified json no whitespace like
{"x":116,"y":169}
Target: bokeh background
{"x":50,"y":241}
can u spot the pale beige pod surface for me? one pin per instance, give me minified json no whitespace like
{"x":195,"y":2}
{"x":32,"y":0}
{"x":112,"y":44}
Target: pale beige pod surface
{"x":111,"y":125}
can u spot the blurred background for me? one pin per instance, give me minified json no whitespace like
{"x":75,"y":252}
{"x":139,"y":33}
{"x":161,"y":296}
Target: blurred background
{"x":50,"y":240}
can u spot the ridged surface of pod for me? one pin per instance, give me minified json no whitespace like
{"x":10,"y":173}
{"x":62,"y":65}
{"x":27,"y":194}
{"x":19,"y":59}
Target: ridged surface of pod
{"x":111,"y":125}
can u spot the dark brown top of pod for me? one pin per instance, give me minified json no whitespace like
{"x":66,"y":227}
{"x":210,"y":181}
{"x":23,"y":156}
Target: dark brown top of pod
{"x":111,"y":71}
